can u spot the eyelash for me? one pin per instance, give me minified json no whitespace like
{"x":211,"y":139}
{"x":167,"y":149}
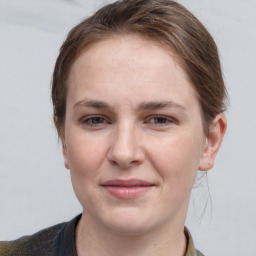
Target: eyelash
{"x":167,"y":120}
{"x":89,"y":121}
{"x":98,"y":121}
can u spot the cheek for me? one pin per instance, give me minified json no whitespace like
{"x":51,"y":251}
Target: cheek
{"x":85,"y":154}
{"x":178,"y":162}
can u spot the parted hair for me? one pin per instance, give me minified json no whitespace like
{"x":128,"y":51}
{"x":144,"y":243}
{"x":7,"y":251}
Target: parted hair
{"x":167,"y":23}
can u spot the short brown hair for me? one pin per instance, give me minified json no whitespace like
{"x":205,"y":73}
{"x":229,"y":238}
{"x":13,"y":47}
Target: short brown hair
{"x":163,"y":21}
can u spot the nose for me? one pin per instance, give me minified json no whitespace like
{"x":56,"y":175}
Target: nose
{"x":126,"y":150}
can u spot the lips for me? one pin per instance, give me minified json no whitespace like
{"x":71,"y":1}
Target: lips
{"x":127,"y":189}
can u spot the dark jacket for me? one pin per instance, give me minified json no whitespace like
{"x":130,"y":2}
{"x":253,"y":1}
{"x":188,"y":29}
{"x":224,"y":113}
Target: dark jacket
{"x":58,"y":240}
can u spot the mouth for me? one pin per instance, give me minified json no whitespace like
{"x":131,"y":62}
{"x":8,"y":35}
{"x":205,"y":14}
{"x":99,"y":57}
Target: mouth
{"x":127,"y":189}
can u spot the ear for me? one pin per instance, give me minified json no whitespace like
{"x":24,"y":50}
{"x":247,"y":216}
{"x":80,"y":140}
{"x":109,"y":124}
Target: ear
{"x":62,"y":138}
{"x":65,"y":154}
{"x":212,"y":142}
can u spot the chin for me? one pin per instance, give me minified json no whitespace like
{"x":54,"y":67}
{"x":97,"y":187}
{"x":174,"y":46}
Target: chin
{"x":130,"y":222}
{"x":129,"y":228}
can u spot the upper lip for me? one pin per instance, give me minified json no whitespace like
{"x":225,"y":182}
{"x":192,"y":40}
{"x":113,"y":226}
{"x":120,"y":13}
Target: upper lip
{"x":127,"y":183}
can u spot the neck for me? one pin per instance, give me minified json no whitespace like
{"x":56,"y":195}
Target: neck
{"x":97,"y":241}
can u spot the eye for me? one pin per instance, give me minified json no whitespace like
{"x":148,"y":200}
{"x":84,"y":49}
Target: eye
{"x":161,"y":120}
{"x":94,"y":121}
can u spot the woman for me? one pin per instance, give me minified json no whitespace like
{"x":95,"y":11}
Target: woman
{"x":138,"y":99}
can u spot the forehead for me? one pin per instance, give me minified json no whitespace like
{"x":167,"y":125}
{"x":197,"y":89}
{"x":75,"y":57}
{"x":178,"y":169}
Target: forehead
{"x":122,"y":63}
{"x":126,"y":50}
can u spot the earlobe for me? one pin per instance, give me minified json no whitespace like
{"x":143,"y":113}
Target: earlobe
{"x":65,"y":155}
{"x":213,"y":142}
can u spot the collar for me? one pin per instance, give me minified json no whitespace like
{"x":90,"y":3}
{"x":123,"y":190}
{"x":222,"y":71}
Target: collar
{"x":191,"y":251}
{"x":68,"y":240}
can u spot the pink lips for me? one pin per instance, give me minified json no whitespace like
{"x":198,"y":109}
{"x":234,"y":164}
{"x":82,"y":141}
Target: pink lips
{"x":127,"y":189}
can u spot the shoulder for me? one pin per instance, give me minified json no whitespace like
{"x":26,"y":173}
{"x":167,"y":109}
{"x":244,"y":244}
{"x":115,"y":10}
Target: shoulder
{"x":30,"y":245}
{"x":199,"y":253}
{"x":49,"y":241}
{"x":191,"y":250}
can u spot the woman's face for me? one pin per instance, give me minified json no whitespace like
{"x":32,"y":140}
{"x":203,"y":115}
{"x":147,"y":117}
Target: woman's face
{"x":133,"y":137}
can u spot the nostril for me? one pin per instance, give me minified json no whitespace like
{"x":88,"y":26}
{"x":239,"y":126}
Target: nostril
{"x":113,"y":162}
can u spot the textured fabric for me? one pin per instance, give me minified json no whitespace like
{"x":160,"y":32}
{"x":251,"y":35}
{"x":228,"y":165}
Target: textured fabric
{"x":191,"y":251}
{"x":59,"y":240}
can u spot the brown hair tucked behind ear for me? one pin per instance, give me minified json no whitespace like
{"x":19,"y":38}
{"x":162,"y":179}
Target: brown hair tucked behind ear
{"x":163,"y":21}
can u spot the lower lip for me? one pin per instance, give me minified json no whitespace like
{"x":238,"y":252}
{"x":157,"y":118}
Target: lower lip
{"x":127,"y":192}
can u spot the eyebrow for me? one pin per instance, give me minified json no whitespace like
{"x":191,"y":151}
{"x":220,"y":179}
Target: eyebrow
{"x":159,"y":105}
{"x":92,"y":103}
{"x":154,"y":105}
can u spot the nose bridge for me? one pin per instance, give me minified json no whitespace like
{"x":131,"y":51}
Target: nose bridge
{"x":125,"y":149}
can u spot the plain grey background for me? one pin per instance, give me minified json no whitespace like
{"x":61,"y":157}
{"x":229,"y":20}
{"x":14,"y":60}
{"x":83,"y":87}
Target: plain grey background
{"x":35,"y":188}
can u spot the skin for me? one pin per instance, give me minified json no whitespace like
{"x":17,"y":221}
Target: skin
{"x":132,"y":113}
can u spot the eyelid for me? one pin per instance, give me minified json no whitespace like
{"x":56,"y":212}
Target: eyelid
{"x":86,"y":120}
{"x":169,"y":120}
